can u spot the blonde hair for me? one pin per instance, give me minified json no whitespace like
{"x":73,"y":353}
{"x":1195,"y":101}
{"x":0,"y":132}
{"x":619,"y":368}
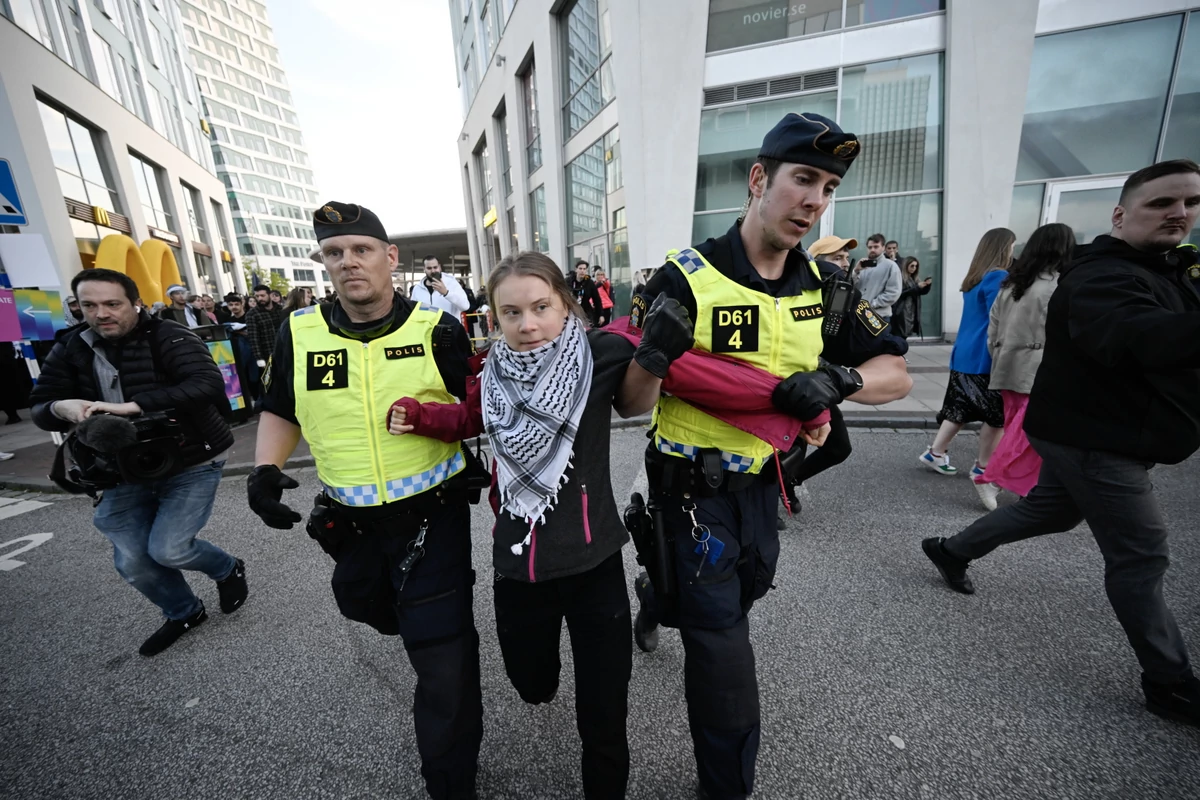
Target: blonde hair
{"x":993,"y":252}
{"x":534,"y":265}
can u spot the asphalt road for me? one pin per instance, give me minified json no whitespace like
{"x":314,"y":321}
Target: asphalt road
{"x":876,"y":681}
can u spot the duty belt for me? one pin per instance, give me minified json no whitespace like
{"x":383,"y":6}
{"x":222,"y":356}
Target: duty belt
{"x":702,"y":477}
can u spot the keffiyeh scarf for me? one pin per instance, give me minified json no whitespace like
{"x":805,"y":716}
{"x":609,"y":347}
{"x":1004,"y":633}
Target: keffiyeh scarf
{"x":532,"y":404}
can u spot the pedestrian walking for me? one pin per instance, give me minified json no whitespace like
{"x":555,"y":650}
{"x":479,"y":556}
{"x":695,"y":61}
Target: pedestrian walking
{"x":584,"y":289}
{"x":605,"y":290}
{"x":439,"y":289}
{"x":168,"y":382}
{"x":1118,"y":391}
{"x":756,"y":298}
{"x":906,"y":314}
{"x":1017,"y":342}
{"x":393,"y":511}
{"x":968,"y":398}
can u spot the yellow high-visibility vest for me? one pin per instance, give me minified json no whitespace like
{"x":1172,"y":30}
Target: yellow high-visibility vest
{"x":779,"y":334}
{"x":343,"y":390}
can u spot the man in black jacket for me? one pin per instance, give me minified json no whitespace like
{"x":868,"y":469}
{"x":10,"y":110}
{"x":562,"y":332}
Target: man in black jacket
{"x":1117,"y":392}
{"x":128,"y":364}
{"x":585,"y":292}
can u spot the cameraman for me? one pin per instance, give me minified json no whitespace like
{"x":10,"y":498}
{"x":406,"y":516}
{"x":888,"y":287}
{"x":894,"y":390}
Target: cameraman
{"x":439,"y":290}
{"x":126,"y":363}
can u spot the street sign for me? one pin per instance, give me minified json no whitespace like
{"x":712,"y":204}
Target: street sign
{"x":11,"y":210}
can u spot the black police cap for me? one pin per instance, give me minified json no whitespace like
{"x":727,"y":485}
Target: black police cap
{"x":813,"y":140}
{"x":347,"y":219}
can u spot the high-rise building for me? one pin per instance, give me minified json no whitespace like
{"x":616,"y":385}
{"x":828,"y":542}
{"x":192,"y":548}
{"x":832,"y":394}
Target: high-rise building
{"x":103,"y":131}
{"x":624,"y":128}
{"x":257,"y":142}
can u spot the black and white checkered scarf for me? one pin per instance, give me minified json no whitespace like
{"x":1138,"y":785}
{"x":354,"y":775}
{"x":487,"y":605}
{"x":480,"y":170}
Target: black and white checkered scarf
{"x":532,"y":404}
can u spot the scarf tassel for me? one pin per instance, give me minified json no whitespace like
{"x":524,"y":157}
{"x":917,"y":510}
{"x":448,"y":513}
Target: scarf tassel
{"x":519,"y":547}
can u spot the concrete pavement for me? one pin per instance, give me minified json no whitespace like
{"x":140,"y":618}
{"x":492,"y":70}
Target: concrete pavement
{"x":877,"y":682}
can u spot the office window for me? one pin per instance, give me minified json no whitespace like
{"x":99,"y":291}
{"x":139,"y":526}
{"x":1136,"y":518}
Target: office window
{"x":83,"y":175}
{"x":587,"y":45}
{"x":537,"y":212}
{"x":486,"y":36}
{"x":256,"y":183}
{"x":470,"y":80}
{"x":294,"y":193}
{"x":271,"y":168}
{"x":302,"y":175}
{"x":151,"y":190}
{"x":31,"y":15}
{"x":505,"y":154}
{"x":81,"y":48}
{"x":586,"y":215}
{"x":895,"y":108}
{"x":248,"y":203}
{"x":484,"y":173}
{"x":222,"y":112}
{"x":282,"y":95}
{"x":245,"y":81}
{"x":293,"y":136}
{"x":866,"y":12}
{"x":739,"y":23}
{"x":244,"y":225}
{"x":1182,"y":141}
{"x":614,"y":177}
{"x":250,"y":141}
{"x":260,"y":125}
{"x":193,"y":204}
{"x":284,"y":210}
{"x":208,"y":64}
{"x":219,"y":215}
{"x":1106,"y":118}
{"x":915,"y":221}
{"x":514,"y":238}
{"x":730,"y":139}
{"x":270,"y":109}
{"x":280,"y":150}
{"x":533,"y":137}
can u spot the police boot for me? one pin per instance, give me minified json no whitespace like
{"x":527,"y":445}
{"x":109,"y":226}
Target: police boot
{"x":645,"y":628}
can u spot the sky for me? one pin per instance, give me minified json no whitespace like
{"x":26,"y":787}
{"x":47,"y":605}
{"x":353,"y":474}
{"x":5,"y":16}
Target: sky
{"x":375,"y":87}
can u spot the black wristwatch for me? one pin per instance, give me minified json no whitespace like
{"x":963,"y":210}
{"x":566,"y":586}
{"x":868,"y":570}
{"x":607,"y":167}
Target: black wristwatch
{"x":851,"y":374}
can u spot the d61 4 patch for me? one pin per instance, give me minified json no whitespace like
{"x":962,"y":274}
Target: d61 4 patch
{"x":328,"y":370}
{"x":735,"y":329}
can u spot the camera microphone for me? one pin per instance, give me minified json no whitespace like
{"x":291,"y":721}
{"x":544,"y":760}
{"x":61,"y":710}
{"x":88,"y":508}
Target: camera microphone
{"x":107,"y":433}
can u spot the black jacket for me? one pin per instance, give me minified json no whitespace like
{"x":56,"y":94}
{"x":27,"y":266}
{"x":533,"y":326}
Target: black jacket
{"x":187,"y":381}
{"x":586,"y":293}
{"x":1121,"y":371}
{"x":584,"y":527}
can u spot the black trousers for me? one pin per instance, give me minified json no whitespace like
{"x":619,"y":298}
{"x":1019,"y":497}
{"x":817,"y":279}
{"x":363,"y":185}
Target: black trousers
{"x":595,"y":604}
{"x":432,"y":610}
{"x":720,"y":681}
{"x":836,"y":449}
{"x":1114,"y":494}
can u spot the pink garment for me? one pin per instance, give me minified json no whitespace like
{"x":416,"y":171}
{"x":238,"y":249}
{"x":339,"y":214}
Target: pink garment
{"x":1015,"y":464}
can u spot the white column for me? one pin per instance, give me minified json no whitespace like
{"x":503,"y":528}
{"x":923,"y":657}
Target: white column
{"x":658,"y":67}
{"x":989,"y":47}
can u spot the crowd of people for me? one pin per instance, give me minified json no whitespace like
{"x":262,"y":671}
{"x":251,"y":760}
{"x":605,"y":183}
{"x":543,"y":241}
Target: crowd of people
{"x":796,"y":332}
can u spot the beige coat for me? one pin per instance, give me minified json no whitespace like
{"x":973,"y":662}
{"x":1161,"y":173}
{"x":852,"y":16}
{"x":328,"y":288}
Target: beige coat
{"x":1017,"y":335}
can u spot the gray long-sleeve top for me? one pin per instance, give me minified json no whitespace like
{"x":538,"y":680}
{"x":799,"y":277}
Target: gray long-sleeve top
{"x":880,"y":286}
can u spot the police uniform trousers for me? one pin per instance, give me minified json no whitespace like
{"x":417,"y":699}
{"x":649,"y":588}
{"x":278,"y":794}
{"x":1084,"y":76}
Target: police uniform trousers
{"x":431,"y":609}
{"x":711,"y":613}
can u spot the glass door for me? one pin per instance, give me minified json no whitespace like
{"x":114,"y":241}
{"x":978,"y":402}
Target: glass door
{"x":1087,"y":206}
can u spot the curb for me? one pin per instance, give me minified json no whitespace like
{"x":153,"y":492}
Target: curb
{"x":866,"y":421}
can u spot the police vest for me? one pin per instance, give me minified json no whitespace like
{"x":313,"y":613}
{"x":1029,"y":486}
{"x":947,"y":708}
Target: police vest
{"x":781,"y":335}
{"x":344,"y":388}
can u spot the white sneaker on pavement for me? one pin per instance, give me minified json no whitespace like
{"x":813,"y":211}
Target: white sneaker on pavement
{"x":6,"y":456}
{"x":939,"y":464}
{"x":988,"y":492}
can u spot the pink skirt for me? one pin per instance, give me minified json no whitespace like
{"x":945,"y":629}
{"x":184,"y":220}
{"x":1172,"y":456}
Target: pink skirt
{"x":1015,"y":464}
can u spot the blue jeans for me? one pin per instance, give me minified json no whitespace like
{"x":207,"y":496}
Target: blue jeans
{"x":153,"y":528}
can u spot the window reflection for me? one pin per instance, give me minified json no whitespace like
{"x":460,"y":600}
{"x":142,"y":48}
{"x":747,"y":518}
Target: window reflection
{"x":1107,"y":117}
{"x":730,"y":139}
{"x":1183,"y":139}
{"x":1026,"y":214}
{"x":895,"y":109}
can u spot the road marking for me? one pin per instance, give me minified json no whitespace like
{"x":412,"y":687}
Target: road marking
{"x":640,"y":486}
{"x":11,"y":508}
{"x":8,"y":563}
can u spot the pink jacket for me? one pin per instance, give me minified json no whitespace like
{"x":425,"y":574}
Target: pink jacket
{"x":733,"y":391}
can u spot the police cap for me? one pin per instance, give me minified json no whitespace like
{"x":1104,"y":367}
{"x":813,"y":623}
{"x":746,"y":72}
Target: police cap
{"x":813,"y":140}
{"x":346,"y":219}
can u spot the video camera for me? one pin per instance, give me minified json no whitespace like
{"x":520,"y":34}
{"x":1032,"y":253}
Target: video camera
{"x":108,"y":450}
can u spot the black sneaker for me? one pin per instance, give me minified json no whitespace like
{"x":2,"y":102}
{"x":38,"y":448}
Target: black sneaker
{"x":645,"y":629}
{"x":170,"y":632}
{"x":780,"y":522}
{"x":954,"y":570}
{"x":1179,"y":702}
{"x":233,"y":589}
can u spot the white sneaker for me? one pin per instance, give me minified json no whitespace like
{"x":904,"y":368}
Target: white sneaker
{"x":939,"y":464}
{"x":6,"y":456}
{"x":988,"y":492}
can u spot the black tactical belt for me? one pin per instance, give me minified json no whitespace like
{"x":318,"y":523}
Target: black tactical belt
{"x":703,"y":477}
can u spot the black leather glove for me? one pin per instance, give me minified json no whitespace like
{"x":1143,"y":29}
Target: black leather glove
{"x":265,"y":488}
{"x":667,"y":334}
{"x":805,"y":395}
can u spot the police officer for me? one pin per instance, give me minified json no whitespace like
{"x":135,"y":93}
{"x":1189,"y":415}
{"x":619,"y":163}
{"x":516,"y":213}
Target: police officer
{"x":390,"y":513}
{"x":753,"y":296}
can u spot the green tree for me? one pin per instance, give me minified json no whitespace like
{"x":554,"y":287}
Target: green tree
{"x":256,"y":275}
